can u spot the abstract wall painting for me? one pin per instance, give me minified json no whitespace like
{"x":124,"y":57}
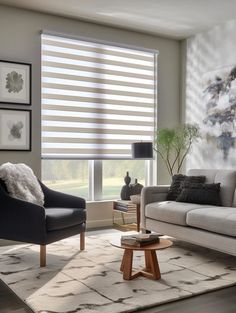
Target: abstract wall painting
{"x":15,"y":83}
{"x":219,"y":97}
{"x":15,"y":130}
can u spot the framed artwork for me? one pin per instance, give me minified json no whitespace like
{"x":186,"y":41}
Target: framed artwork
{"x":15,"y":130}
{"x":15,"y":83}
{"x":219,"y":124}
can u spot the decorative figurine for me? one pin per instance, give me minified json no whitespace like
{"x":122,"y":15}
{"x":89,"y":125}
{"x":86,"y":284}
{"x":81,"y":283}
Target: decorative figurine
{"x":136,"y":188}
{"x":126,"y":189}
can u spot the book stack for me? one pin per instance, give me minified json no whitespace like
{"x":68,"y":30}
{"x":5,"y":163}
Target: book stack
{"x":140,"y":240}
{"x":125,"y":206}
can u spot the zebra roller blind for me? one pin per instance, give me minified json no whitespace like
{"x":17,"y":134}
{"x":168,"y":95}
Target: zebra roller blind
{"x":96,"y":98}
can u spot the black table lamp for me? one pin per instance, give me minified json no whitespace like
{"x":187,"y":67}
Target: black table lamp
{"x":142,"y":150}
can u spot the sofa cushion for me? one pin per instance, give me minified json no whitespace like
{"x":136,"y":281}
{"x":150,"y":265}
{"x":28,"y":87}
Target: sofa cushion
{"x":59,"y":218}
{"x":220,"y":220}
{"x":170,"y":211}
{"x":226,"y":178}
{"x":176,"y":185}
{"x":200,"y":193}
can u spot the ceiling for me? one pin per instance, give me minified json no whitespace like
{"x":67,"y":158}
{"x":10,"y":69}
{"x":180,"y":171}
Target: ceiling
{"x":171,"y":18}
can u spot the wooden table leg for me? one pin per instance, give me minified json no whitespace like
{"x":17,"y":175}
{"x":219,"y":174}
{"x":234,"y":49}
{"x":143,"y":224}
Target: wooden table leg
{"x":151,"y":269}
{"x":138,"y":217}
{"x":152,"y":266}
{"x":122,"y":263}
{"x":147,"y":261}
{"x":113,"y":216}
{"x":127,"y":264}
{"x":123,"y":218}
{"x":155,"y":266}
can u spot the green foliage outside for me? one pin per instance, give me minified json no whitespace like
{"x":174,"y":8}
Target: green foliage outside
{"x":71,"y":176}
{"x":56,"y":170}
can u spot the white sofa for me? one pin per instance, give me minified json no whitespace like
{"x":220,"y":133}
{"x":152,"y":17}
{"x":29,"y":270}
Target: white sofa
{"x":206,"y":225}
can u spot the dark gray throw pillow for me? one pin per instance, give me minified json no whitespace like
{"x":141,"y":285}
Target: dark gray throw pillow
{"x":178,"y":180}
{"x":200,"y":193}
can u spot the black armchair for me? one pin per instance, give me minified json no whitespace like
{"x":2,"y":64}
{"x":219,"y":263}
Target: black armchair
{"x":62,"y":216}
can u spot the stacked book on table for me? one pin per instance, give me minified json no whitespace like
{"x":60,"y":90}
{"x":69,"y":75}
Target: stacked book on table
{"x":140,"y":240}
{"x":125,"y":206}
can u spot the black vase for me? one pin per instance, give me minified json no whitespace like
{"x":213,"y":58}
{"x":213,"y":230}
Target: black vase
{"x":136,"y":188}
{"x":126,"y":190}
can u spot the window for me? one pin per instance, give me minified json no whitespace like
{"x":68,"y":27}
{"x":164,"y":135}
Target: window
{"x":114,"y":172}
{"x":96,"y":100}
{"x":69,"y":176}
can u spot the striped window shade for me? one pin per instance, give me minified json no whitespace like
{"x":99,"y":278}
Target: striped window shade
{"x":96,"y":98}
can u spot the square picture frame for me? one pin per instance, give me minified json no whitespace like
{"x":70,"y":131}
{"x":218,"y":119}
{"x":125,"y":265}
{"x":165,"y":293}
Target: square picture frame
{"x":15,"y":130}
{"x":15,"y":82}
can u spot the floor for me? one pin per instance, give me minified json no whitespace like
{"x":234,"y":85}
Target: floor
{"x":10,"y":303}
{"x":222,"y":301}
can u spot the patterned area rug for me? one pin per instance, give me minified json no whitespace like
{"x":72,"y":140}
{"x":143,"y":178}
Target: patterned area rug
{"x":90,"y":281}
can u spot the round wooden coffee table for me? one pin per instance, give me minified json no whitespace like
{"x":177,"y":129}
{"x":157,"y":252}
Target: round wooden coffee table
{"x":151,"y":269}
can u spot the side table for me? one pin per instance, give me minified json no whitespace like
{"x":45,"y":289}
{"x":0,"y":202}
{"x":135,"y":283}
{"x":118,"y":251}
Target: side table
{"x":128,"y":212}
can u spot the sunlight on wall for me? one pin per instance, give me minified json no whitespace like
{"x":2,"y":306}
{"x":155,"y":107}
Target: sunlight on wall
{"x":207,"y":52}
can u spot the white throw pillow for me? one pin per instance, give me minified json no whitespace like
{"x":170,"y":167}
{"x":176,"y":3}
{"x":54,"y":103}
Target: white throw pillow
{"x":21,"y":183}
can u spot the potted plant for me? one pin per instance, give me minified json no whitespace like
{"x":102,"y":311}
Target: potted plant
{"x":173,"y":145}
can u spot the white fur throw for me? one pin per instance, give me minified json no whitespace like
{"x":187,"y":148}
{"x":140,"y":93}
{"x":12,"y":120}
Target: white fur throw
{"x":21,"y":183}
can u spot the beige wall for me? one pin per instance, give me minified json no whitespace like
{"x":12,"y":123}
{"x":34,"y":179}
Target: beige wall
{"x":20,"y":41}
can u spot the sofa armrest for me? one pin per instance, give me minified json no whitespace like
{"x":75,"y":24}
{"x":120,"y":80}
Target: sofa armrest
{"x":21,"y":220}
{"x":57,"y":199}
{"x":151,"y":194}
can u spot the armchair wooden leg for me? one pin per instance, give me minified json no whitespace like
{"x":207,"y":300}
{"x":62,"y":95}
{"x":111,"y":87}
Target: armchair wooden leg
{"x":42,"y":255}
{"x":82,"y":241}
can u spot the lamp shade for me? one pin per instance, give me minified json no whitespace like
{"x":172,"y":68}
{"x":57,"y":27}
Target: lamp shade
{"x":142,"y":150}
